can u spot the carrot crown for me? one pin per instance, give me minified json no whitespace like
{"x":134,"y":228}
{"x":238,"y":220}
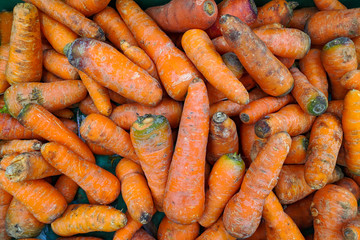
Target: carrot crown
{"x":337,"y":42}
{"x":234,"y":157}
{"x":149,"y":123}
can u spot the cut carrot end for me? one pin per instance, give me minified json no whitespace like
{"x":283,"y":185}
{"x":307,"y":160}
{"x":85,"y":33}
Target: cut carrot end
{"x":293,"y":5}
{"x":15,"y":171}
{"x":317,"y":106}
{"x":244,"y":118}
{"x":337,"y":42}
{"x":219,"y":117}
{"x":66,"y":48}
{"x":145,"y":218}
{"x":262,"y":129}
{"x":350,"y":234}
{"x":209,"y":8}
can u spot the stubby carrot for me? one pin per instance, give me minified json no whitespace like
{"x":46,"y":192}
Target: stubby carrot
{"x":224,"y":181}
{"x":6,"y":19}
{"x":100,"y":184}
{"x":67,"y":187}
{"x":19,"y":146}
{"x":42,"y":122}
{"x":350,"y":185}
{"x":300,"y":212}
{"x":300,"y":16}
{"x":242,"y":213}
{"x":100,"y":130}
{"x":58,"y":64}
{"x":298,"y":149}
{"x":184,"y":200}
{"x":11,"y":129}
{"x":4,"y":57}
{"x":271,"y":75}
{"x":336,"y":107}
{"x":141,"y":234}
{"x":88,"y":7}
{"x":223,"y":137}
{"x":216,"y":231}
{"x":350,"y":80}
{"x":114,"y":71}
{"x":323,"y":5}
{"x":128,"y":231}
{"x":175,"y":70}
{"x":170,"y":230}
{"x":84,"y":218}
{"x":25,"y":54}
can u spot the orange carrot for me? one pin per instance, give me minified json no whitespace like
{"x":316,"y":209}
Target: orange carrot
{"x":43,"y":123}
{"x":50,"y":77}
{"x":99,"y":150}
{"x":88,"y":7}
{"x":288,"y":62}
{"x":3,"y":210}
{"x":350,"y":80}
{"x":5,"y":197}
{"x":215,"y":95}
{"x":261,"y":64}
{"x":87,"y":106}
{"x":70,"y":124}
{"x":58,"y":64}
{"x":11,"y":129}
{"x":223,"y":137}
{"x":323,"y":5}
{"x":336,"y":107}
{"x":300,"y":212}
{"x":185,"y":194}
{"x":216,"y":231}
{"x":84,"y":218}
{"x":351,"y":229}
{"x":6,"y":19}
{"x":356,"y":41}
{"x":350,"y":185}
{"x":257,"y":146}
{"x":64,"y":113}
{"x":175,"y":70}
{"x":4,"y":57}
{"x":6,"y":160}
{"x":141,"y":234}
{"x":224,"y":181}
{"x":25,"y":54}
{"x":232,"y":62}
{"x":221,"y":46}
{"x":298,"y":149}
{"x":67,"y":187}
{"x":247,"y":138}
{"x":171,"y":230}
{"x":128,"y":231}
{"x":115,"y":97}
{"x":300,"y":16}
{"x":19,"y":146}
{"x":260,"y":233}
{"x":79,"y":238}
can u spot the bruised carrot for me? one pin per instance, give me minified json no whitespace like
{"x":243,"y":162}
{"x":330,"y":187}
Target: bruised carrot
{"x":19,"y":146}
{"x":261,"y":64}
{"x":232,"y":62}
{"x":67,"y":187}
{"x":45,"y":124}
{"x":175,"y":70}
{"x":141,"y":234}
{"x":350,"y":185}
{"x":6,"y":19}
{"x":84,"y":218}
{"x":50,"y":77}
{"x":117,"y":98}
{"x":88,"y":7}
{"x":241,"y":218}
{"x":298,"y":149}
{"x":300,"y":16}
{"x":257,"y":146}
{"x":100,"y":130}
{"x":223,"y":137}
{"x":336,"y":107}
{"x":4,"y":57}
{"x":216,"y":231}
{"x":350,"y":80}
{"x":58,"y":64}
{"x":185,"y":194}
{"x":11,"y":129}
{"x":224,"y":181}
{"x":3,"y":210}
{"x":323,"y":5}
{"x":128,"y":231}
{"x":214,"y":94}
{"x":330,"y":214}
{"x":25,"y":54}
{"x":300,"y":212}
{"x":171,"y":230}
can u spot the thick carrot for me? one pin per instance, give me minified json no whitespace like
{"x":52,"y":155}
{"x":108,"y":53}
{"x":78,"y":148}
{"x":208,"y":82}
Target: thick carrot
{"x":56,"y":33}
{"x":6,"y":160}
{"x":67,"y":187}
{"x":224,"y":181}
{"x":52,"y":96}
{"x":336,"y":107}
{"x":172,"y":230}
{"x":323,"y":5}
{"x":88,"y":7}
{"x":351,"y":229}
{"x":4,"y":57}
{"x":49,"y":77}
{"x":11,"y":129}
{"x":292,"y":187}
{"x":19,"y":146}
{"x":100,"y":184}
{"x":6,"y":19}
{"x":277,"y":223}
{"x":300,"y":16}
{"x":324,"y":26}
{"x":175,"y":70}
{"x":350,"y":80}
{"x":232,"y":62}
{"x":20,"y":223}
{"x":114,"y":71}
{"x":350,"y":185}
{"x":184,"y":200}
{"x":3,"y":210}
{"x":298,"y":149}
{"x":128,"y":231}
{"x":300,"y":212}
{"x":58,"y":64}
{"x":5,"y":197}
{"x":271,"y":75}
{"x":215,"y":95}
{"x":223,"y":137}
{"x":216,"y":231}
{"x":45,"y":124}
{"x":198,"y":47}
{"x":39,"y":197}
{"x":141,"y":234}
{"x":25,"y":54}
{"x":84,"y":218}
{"x":100,"y":130}
{"x":332,"y":206}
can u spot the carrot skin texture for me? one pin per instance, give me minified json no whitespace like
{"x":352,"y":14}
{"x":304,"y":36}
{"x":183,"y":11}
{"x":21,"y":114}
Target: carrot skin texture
{"x":300,"y":16}
{"x":171,"y":230}
{"x":300,"y":212}
{"x":6,"y":19}
{"x":100,"y":184}
{"x":67,"y":187}
{"x":65,"y":113}
{"x":240,"y":219}
{"x":247,"y":138}
{"x":350,"y":80}
{"x":350,"y":185}
{"x":11,"y":129}
{"x":323,"y":5}
{"x":128,"y":231}
{"x":88,"y":7}
{"x":25,"y":54}
{"x":77,"y":217}
{"x":182,"y":184}
{"x":298,"y":149}
{"x":49,"y":77}
{"x":271,"y":75}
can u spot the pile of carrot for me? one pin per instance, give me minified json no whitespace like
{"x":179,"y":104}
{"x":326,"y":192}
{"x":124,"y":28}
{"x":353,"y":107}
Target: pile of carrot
{"x":232,"y":121}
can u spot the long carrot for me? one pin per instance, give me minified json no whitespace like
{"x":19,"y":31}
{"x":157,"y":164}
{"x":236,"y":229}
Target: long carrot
{"x":84,"y":218}
{"x":4,"y":57}
{"x":67,"y":187}
{"x":100,"y":184}
{"x":88,"y":7}
{"x":175,"y":70}
{"x":43,"y":123}
{"x":271,"y":75}
{"x":170,"y":230}
{"x":185,"y":194}
{"x":247,"y":138}
{"x":128,"y":231}
{"x":323,"y":5}
{"x":11,"y":129}
{"x":58,"y":64}
{"x":300,"y":16}
{"x":298,"y":149}
{"x":5,"y":197}
{"x":25,"y":54}
{"x":6,"y":19}
{"x":350,"y":185}
{"x":300,"y":212}
{"x":19,"y":146}
{"x":242,"y":217}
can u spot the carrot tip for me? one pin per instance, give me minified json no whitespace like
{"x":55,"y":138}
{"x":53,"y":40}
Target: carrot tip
{"x":219,"y":117}
{"x":244,"y":117}
{"x":209,"y":8}
{"x":145,"y":218}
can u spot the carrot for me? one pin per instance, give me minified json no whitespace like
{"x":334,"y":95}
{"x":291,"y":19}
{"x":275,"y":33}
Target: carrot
{"x":257,"y":146}
{"x":172,"y":230}
{"x":350,"y":80}
{"x":350,"y":185}
{"x":117,"y":98}
{"x":221,"y":46}
{"x":215,"y":95}
{"x":175,"y":70}
{"x":341,"y":156}
{"x":20,"y":223}
{"x":100,"y":130}
{"x":275,"y":11}
{"x":232,"y":62}
{"x":298,"y":149}
{"x":19,"y":146}
{"x":141,"y":234}
{"x":70,"y":124}
{"x":98,"y":183}
{"x":245,"y":10}
{"x":185,"y":194}
{"x":292,"y":187}
{"x":356,"y":41}
{"x":43,"y":123}
{"x":64,"y":113}
{"x":58,"y":64}
{"x":80,"y":238}
{"x":87,"y":106}
{"x":6,"y":19}
{"x":247,"y":138}
{"x":260,"y":233}
{"x":224,"y":181}
{"x":300,"y":16}
{"x":324,"y":26}
{"x":11,"y":129}
{"x":300,"y":212}
{"x":198,"y":47}
{"x":290,"y":118}
{"x":6,"y":160}
{"x":56,"y":33}
{"x":99,"y":150}
{"x":351,"y":229}
{"x":216,"y":231}
{"x":84,"y":218}
{"x":338,"y":57}
{"x":4,"y":57}
{"x":48,"y":77}
{"x":259,"y":108}
{"x":332,"y":206}
{"x":88,"y":7}
{"x":128,"y":231}
{"x":5,"y":197}
{"x":288,"y":62}
{"x":25,"y":55}
{"x":336,"y":107}
{"x":261,"y":64}
{"x":223,"y":137}
{"x":3,"y":234}
{"x":277,"y":223}
{"x":67,"y":187}
{"x":323,"y":5}
{"x":70,"y":17}
{"x":115,"y":71}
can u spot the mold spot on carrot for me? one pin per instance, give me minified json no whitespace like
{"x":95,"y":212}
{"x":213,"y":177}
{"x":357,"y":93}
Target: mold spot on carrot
{"x":209,"y":8}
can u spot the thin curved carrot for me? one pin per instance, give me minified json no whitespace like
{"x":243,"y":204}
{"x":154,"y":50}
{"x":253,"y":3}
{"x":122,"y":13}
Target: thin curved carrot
{"x":59,"y":65}
{"x":300,"y":212}
{"x":298,"y":149}
{"x":88,"y":7}
{"x":170,"y":230}
{"x":4,"y":57}
{"x":324,"y":5}
{"x":67,"y":187}
{"x":11,"y":129}
{"x":300,"y":16}
{"x":128,"y":231}
{"x":6,"y":19}
{"x":19,"y":146}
